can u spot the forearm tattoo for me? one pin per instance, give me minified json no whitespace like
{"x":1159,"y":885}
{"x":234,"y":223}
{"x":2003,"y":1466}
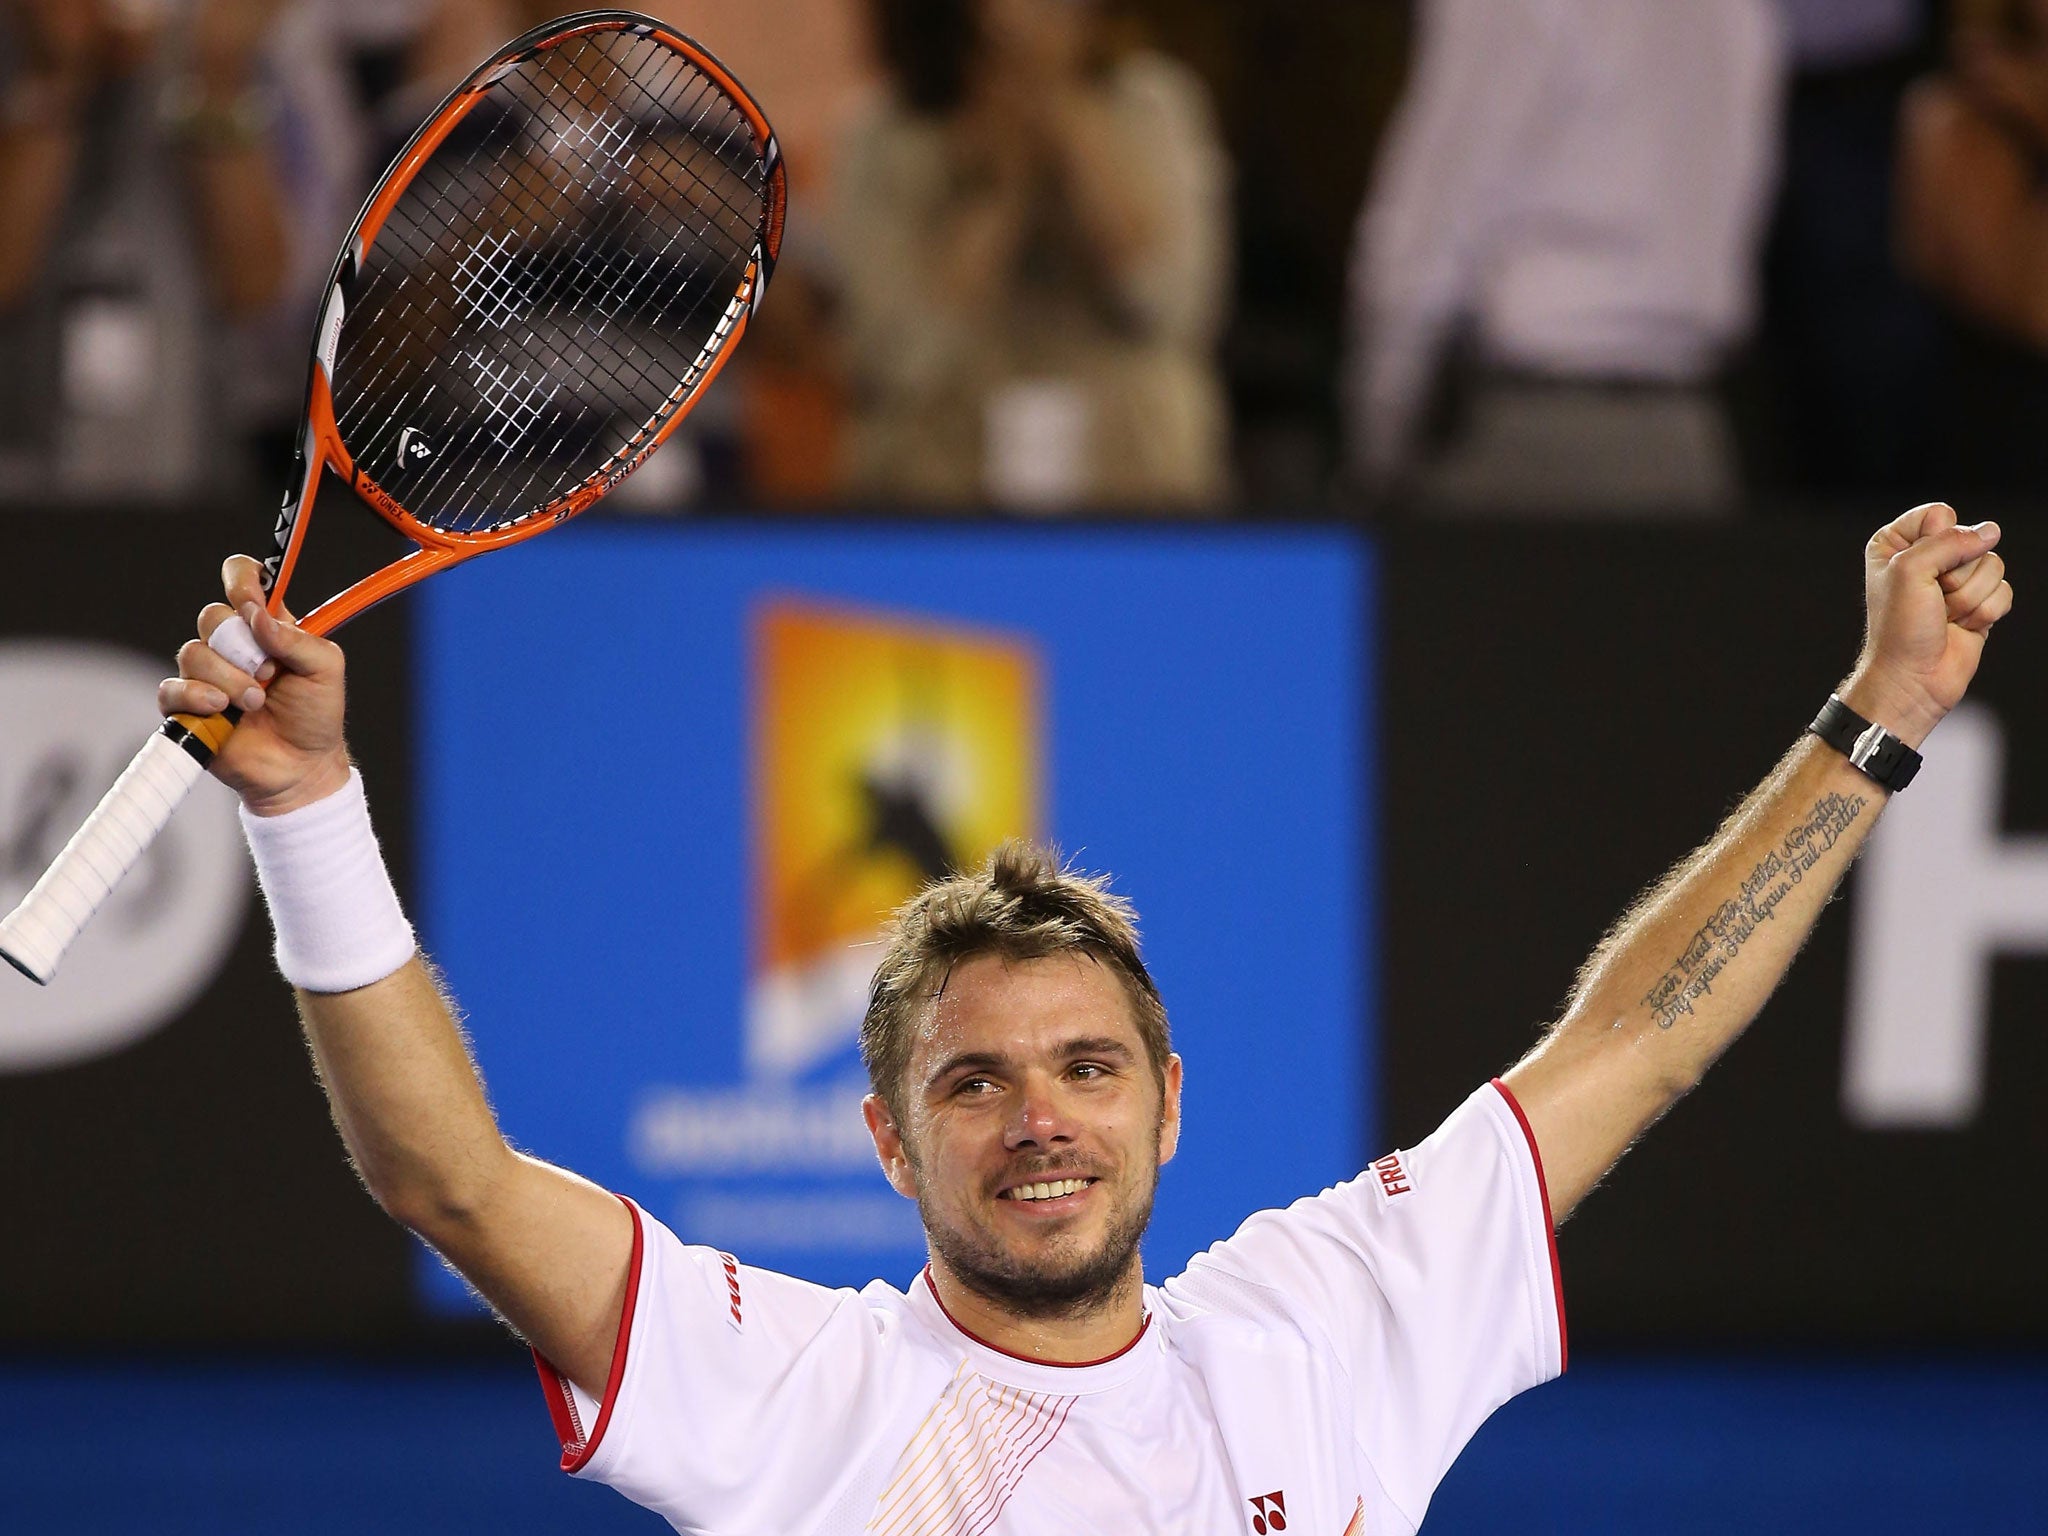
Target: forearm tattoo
{"x":1721,"y":938}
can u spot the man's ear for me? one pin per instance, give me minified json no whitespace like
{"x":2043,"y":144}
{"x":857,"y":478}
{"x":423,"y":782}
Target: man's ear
{"x":889,"y":1146}
{"x":1169,"y":1112}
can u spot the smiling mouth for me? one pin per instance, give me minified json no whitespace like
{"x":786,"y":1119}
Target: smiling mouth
{"x":1052,"y":1189}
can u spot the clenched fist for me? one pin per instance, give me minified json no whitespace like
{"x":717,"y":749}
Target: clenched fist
{"x":1932,"y":591}
{"x":286,"y":750}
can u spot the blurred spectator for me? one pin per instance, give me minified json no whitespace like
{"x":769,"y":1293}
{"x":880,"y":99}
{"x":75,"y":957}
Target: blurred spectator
{"x":1973,"y":227}
{"x":177,"y":173}
{"x":1559,"y":249}
{"x":1850,"y":350}
{"x":1828,"y":35}
{"x":1032,"y":237}
{"x":405,"y":55}
{"x":808,"y":64}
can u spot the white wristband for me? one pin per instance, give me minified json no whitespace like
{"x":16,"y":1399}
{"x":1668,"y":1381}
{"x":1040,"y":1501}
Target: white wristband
{"x":338,"y":921}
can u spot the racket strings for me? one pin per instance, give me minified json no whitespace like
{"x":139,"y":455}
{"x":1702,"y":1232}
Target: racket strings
{"x":550,"y":286}
{"x":738,"y":238}
{"x":516,"y":397}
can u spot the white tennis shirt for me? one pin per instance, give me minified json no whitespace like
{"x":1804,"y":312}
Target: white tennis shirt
{"x":1317,"y":1373}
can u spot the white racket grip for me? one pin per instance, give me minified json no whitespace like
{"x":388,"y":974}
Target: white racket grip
{"x":34,"y":936}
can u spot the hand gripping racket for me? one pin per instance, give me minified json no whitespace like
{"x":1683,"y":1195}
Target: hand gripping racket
{"x":534,"y":295}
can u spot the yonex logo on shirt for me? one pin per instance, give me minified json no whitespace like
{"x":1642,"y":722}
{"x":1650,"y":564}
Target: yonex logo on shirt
{"x":1393,"y":1177}
{"x":1269,"y":1512}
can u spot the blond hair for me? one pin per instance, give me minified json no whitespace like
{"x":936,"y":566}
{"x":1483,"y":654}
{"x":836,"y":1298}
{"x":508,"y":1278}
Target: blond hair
{"x":1023,"y":904}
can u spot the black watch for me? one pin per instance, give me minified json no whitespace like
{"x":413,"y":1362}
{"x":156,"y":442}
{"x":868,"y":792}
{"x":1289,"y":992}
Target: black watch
{"x":1880,"y":755}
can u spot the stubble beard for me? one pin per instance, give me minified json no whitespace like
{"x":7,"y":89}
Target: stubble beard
{"x":1054,"y":1286}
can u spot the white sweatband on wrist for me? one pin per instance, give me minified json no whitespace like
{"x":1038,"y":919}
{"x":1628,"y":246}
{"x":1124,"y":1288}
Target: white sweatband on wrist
{"x":338,"y":921}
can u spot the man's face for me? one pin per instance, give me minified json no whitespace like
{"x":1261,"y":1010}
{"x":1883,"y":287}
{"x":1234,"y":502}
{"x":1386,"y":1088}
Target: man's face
{"x":1033,"y":1131}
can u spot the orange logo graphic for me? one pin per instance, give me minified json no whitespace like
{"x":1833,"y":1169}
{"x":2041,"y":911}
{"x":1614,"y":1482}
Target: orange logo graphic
{"x":887,"y":750}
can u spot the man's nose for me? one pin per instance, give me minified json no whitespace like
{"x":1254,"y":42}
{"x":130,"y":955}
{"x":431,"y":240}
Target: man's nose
{"x":1040,"y":1118}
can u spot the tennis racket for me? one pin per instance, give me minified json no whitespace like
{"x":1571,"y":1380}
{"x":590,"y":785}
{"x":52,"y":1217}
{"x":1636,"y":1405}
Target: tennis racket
{"x":536,"y":292}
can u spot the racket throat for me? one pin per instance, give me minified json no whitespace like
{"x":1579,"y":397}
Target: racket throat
{"x":200,"y":737}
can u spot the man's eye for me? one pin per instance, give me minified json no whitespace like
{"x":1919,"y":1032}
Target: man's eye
{"x":1090,"y":1069}
{"x":974,"y":1085}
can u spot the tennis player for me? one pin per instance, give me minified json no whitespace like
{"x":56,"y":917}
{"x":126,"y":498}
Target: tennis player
{"x":1316,"y":1371}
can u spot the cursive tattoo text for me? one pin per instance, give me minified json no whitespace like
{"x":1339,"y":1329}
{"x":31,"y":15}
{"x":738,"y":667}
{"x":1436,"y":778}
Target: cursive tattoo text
{"x":1722,"y":936}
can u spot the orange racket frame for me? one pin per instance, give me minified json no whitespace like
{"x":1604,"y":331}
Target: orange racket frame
{"x":321,"y":444}
{"x":34,"y":937}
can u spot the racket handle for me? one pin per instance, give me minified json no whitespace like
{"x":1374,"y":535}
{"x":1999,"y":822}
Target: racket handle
{"x":34,"y":936}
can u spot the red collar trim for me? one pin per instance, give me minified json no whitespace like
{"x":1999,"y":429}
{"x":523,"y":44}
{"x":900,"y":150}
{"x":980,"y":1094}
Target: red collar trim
{"x":1064,"y":1365}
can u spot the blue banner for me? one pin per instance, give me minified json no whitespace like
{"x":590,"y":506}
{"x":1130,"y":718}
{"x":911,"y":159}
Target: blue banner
{"x":672,"y":776}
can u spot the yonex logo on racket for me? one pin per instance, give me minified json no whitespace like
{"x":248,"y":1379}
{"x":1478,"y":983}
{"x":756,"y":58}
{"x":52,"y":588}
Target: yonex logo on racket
{"x":410,"y":449}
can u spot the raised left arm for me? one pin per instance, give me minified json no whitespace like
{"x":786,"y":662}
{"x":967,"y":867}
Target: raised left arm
{"x":1687,"y":968}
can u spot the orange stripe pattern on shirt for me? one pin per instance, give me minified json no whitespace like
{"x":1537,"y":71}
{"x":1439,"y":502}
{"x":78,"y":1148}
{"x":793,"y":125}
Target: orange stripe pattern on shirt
{"x":967,"y":1458}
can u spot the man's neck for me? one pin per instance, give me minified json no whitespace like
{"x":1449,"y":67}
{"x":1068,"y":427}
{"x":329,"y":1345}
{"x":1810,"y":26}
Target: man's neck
{"x":1078,"y":1338}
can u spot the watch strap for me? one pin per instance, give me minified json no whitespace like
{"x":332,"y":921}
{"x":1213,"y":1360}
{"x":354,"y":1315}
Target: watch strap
{"x":1870,"y":748}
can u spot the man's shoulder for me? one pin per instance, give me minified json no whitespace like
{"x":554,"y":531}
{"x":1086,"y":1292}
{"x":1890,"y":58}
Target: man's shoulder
{"x":1219,"y":1302}
{"x":690,"y":1274}
{"x":1341,"y":1239}
{"x":1238,"y":1334}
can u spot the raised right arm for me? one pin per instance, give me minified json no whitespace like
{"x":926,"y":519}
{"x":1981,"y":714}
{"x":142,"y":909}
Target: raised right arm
{"x":547,"y":1249}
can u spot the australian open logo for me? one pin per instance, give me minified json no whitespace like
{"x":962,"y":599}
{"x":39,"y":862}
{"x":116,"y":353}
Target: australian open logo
{"x":887,"y":751}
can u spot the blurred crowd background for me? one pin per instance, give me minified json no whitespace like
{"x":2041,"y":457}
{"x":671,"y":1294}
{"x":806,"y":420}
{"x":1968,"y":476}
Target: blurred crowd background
{"x":1480,"y":280}
{"x":1544,"y":258}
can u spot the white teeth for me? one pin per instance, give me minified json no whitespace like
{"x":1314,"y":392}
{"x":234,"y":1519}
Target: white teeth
{"x":1047,"y":1191}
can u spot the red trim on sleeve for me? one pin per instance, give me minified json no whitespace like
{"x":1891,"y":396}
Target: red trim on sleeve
{"x":1549,"y":1226}
{"x":561,"y":1406}
{"x":576,"y":1450}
